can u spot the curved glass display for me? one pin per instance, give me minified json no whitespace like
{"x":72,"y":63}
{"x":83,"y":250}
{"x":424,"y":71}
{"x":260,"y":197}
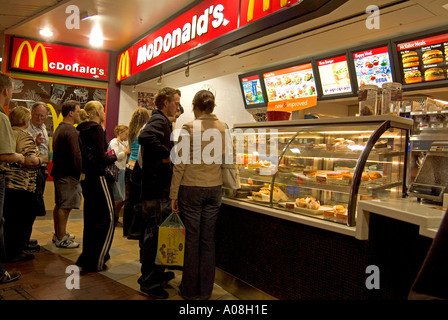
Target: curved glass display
{"x":322,"y":167}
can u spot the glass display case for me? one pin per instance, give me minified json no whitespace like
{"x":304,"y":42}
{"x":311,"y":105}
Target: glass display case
{"x":321,"y":167}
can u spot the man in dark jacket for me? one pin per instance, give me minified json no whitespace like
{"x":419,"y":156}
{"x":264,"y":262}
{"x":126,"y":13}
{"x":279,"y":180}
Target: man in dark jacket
{"x":157,"y":170}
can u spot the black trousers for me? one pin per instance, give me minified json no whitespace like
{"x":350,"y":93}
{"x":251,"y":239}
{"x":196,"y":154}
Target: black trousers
{"x":19,"y":219}
{"x":99,"y":226}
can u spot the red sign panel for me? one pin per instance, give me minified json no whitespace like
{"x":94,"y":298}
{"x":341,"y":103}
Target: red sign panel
{"x":43,"y":57}
{"x":252,"y":10}
{"x":207,"y":21}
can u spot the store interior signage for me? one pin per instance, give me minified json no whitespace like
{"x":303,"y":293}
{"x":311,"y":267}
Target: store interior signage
{"x":199,"y":25}
{"x":252,"y":10}
{"x":334,"y":75}
{"x":373,"y":66}
{"x":424,"y":60}
{"x":291,"y":89}
{"x":206,"y":21}
{"x":43,"y":57}
{"x":253,"y":93}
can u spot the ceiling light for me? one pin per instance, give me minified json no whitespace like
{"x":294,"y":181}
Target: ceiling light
{"x":46,"y":32}
{"x":96,"y":36}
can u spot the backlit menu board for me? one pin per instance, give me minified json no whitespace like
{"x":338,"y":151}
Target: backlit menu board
{"x":424,"y":60}
{"x":252,"y":91}
{"x":334,"y":75}
{"x":291,"y":89}
{"x":373,"y":66}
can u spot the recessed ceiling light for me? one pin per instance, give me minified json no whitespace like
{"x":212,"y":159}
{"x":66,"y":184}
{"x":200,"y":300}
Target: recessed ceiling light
{"x":46,"y":32}
{"x":96,"y":36}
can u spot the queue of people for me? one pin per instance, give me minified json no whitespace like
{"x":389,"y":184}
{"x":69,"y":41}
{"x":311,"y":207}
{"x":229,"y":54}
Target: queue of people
{"x":149,"y":186}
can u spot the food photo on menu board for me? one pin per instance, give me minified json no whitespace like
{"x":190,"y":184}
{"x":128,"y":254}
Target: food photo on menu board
{"x":334,"y":75}
{"x":373,"y":66}
{"x":424,"y":60}
{"x":252,"y":90}
{"x":291,"y":89}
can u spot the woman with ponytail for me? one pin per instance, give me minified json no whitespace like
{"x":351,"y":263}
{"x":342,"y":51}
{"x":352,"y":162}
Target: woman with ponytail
{"x":96,"y":189}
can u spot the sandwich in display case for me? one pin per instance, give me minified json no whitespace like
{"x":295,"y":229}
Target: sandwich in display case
{"x":321,"y":168}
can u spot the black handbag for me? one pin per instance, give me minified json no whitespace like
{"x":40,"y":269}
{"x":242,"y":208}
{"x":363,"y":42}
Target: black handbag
{"x":112,"y":172}
{"x":39,"y":205}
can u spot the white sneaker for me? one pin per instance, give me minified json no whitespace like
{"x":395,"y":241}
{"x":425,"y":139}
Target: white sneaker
{"x":70,"y":236}
{"x":67,"y":243}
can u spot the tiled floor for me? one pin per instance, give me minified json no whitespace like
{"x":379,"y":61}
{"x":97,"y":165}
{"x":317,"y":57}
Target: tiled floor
{"x":44,"y":277}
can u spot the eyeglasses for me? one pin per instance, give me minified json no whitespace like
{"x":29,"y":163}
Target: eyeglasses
{"x":39,"y":115}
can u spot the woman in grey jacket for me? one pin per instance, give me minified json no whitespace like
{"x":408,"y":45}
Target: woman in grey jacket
{"x":196,"y":191}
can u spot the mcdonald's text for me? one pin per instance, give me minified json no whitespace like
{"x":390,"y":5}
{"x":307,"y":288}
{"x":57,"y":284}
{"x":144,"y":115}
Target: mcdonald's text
{"x":43,"y":57}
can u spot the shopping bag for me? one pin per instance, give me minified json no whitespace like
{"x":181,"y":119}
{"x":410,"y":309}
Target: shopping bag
{"x":171,"y":242}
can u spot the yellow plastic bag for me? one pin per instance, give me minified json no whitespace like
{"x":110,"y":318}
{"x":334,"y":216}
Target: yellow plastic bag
{"x":171,"y":242}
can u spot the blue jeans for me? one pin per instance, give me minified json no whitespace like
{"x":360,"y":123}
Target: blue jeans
{"x":199,"y":208}
{"x":3,"y":258}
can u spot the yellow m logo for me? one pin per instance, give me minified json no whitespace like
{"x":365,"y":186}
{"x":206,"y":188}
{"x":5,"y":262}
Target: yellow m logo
{"x":124,"y":68}
{"x":31,"y":55}
{"x":266,"y":6}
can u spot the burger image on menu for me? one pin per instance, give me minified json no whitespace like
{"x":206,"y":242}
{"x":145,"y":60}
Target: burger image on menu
{"x":340,"y":73}
{"x":413,"y":76}
{"x":410,"y":59}
{"x":434,"y":74}
{"x":432,"y":56}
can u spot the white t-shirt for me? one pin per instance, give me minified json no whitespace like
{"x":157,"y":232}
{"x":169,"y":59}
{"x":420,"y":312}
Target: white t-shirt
{"x":119,"y":148}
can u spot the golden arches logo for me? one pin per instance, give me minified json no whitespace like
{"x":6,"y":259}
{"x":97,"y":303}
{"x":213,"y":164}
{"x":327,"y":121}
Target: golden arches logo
{"x":31,"y":55}
{"x":124,"y":66}
{"x":266,"y":6}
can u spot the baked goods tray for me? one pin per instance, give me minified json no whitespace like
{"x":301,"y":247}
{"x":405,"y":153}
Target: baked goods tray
{"x":306,"y":210}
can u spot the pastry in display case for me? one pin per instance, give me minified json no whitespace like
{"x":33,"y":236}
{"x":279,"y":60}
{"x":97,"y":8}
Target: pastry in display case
{"x":321,"y":167}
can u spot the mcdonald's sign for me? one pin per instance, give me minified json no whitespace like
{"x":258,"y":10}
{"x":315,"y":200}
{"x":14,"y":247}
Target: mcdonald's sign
{"x":42,"y":57}
{"x":252,"y":10}
{"x":124,"y":65}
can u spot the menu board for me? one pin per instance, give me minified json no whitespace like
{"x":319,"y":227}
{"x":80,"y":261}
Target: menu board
{"x":424,"y":60}
{"x":373,"y":66}
{"x":334,"y":75}
{"x":253,"y":94}
{"x":291,"y":89}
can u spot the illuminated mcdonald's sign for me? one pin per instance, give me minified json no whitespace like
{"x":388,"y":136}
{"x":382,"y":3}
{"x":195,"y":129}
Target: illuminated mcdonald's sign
{"x":266,"y":7}
{"x":31,"y":55}
{"x":124,"y":66}
{"x":42,"y":57}
{"x":252,"y":10}
{"x":207,"y":21}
